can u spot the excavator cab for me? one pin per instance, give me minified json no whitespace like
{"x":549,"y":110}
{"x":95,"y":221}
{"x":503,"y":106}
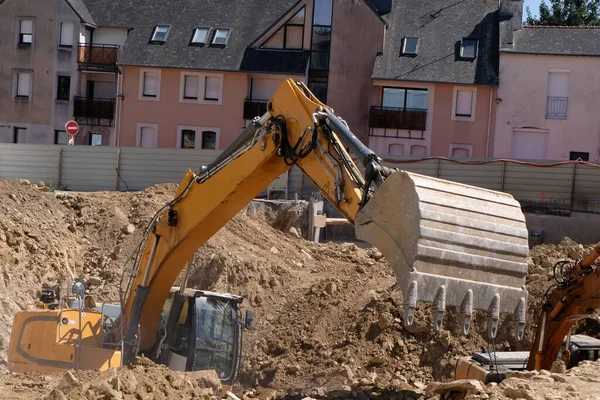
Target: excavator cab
{"x":206,"y":333}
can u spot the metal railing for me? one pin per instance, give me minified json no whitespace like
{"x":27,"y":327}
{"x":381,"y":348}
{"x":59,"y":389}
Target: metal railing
{"x":397,"y":118}
{"x":556,"y":107}
{"x":98,"y":57}
{"x":94,"y":108}
{"x":254,"y":108}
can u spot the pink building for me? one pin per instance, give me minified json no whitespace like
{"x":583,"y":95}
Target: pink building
{"x":548,"y":94}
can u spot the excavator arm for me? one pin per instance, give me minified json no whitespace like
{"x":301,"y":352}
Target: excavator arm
{"x":576,"y":296}
{"x":449,"y":244}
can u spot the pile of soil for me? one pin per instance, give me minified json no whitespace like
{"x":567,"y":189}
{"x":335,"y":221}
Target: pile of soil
{"x":327,"y":316}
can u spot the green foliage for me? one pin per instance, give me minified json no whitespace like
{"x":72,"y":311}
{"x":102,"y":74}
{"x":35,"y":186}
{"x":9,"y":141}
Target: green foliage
{"x":567,"y":13}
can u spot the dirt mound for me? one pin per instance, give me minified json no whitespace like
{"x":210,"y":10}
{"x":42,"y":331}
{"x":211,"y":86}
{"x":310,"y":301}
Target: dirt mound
{"x":327,"y":316}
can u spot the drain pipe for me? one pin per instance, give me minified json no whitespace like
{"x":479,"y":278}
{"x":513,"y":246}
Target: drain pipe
{"x":489,"y":128}
{"x":119,"y":107}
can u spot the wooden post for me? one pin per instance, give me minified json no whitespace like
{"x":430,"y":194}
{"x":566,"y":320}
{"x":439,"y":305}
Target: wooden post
{"x":315,"y":219}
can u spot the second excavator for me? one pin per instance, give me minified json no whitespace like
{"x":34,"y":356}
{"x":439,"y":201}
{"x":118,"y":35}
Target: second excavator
{"x":450,"y":244}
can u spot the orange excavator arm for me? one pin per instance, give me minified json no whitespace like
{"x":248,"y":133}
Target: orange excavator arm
{"x":576,"y":297}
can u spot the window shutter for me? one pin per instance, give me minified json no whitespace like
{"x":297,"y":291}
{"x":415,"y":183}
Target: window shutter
{"x":558,"y":84}
{"x":150,"y":84}
{"x":23,"y":83}
{"x":211,"y":91}
{"x":191,"y":84}
{"x":418,"y":150}
{"x":464,"y":100}
{"x":27,"y":26}
{"x":66,"y":34}
{"x":148,"y":137}
{"x":460,"y":152}
{"x":396,"y":149}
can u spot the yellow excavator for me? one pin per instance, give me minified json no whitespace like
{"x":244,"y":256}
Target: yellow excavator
{"x":449,"y":244}
{"x":574,"y":296}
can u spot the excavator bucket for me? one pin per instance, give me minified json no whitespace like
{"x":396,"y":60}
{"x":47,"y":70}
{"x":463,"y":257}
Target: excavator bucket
{"x":450,"y":245}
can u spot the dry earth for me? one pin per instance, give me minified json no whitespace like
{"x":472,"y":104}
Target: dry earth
{"x":327,"y":316}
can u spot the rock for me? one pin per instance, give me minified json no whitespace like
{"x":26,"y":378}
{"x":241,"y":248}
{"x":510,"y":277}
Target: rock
{"x":294,"y":232}
{"x":128,"y":382}
{"x":558,"y":367}
{"x":266,"y":394}
{"x":462,"y":385}
{"x":69,"y":381}
{"x":206,"y":379}
{"x":530,"y":265}
{"x":521,"y":374}
{"x":128,"y":229}
{"x":12,"y":197}
{"x":56,"y":394}
{"x":365,"y":382}
{"x":293,"y":369}
{"x":384,"y":322}
{"x":376,"y":360}
{"x":398,"y":385}
{"x":105,"y":391}
{"x":515,"y":393}
{"x":24,"y":182}
{"x":275,"y":250}
{"x":376,"y":255}
{"x":331,"y":288}
{"x":445,"y":338}
{"x":94,"y":281}
{"x":558,"y":377}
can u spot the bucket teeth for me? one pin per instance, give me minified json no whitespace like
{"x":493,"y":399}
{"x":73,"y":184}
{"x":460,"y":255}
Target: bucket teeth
{"x":439,"y":308}
{"x":466,"y":312}
{"x":520,"y":314}
{"x":494,"y":316}
{"x":411,"y":303}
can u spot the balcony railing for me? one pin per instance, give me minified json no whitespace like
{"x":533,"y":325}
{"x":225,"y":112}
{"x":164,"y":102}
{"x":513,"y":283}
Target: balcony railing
{"x":97,"y":57}
{"x":254,"y":108}
{"x":397,"y":118}
{"x":94,"y":108}
{"x":556,"y":107}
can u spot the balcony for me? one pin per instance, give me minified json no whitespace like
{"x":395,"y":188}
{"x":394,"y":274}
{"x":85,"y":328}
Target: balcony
{"x":254,"y":108}
{"x":97,"y":57}
{"x":556,"y":107}
{"x":397,"y":118}
{"x":94,"y":111}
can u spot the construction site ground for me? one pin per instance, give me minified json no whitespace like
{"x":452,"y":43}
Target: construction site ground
{"x":327,"y":316}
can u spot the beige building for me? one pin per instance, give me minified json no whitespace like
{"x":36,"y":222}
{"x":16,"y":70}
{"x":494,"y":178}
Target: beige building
{"x":549,"y":92}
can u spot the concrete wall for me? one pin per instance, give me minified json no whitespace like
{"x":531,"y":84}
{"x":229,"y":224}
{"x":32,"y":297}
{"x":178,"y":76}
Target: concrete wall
{"x":357,"y":36}
{"x":581,"y":227}
{"x":524,"y":88}
{"x":447,"y":131}
{"x":35,"y":115}
{"x":169,"y":113}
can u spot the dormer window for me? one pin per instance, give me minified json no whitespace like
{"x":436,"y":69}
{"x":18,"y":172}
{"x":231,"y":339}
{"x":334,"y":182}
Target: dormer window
{"x":410,"y":46}
{"x":221,"y":37}
{"x":199,"y":37}
{"x":468,"y":48}
{"x":159,"y":35}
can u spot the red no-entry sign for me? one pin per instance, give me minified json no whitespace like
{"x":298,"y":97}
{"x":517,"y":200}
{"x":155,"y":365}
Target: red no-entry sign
{"x":72,"y":127}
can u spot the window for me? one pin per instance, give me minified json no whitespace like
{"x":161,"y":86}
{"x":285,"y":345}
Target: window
{"x":396,"y":149}
{"x":63,"y":88}
{"x":191,"y":86}
{"x":95,"y":139}
{"x":188,"y":139}
{"x":464,"y":103}
{"x":558,"y":92}
{"x":321,"y":43}
{"x":66,"y":34}
{"x":468,"y":48}
{"x":150,"y":85}
{"x":322,"y":12}
{"x":209,"y":140}
{"x":410,"y":46}
{"x":20,"y":135}
{"x":289,"y":36}
{"x":147,"y":135}
{"x":199,"y":37}
{"x":418,"y":150}
{"x":26,"y":32}
{"x":61,"y":137}
{"x":576,"y":155}
{"x":405,"y":99}
{"x":221,"y":37}
{"x":212,"y":88}
{"x":23,"y":85}
{"x":160,"y":33}
{"x":319,"y":89}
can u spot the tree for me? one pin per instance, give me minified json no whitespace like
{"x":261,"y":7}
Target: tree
{"x":567,"y":13}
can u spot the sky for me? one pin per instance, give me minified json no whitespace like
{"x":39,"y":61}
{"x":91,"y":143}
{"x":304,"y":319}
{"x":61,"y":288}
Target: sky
{"x":534,"y":6}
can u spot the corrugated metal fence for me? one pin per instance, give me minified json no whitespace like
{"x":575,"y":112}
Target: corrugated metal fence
{"x":539,"y":185}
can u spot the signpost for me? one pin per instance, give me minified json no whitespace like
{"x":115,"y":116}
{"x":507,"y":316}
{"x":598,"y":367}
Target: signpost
{"x":72,"y":128}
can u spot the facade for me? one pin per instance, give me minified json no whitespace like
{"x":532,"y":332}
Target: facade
{"x":434,"y":83}
{"x":548,"y":102}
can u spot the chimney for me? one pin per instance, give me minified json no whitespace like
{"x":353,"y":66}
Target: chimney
{"x":511,"y":19}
